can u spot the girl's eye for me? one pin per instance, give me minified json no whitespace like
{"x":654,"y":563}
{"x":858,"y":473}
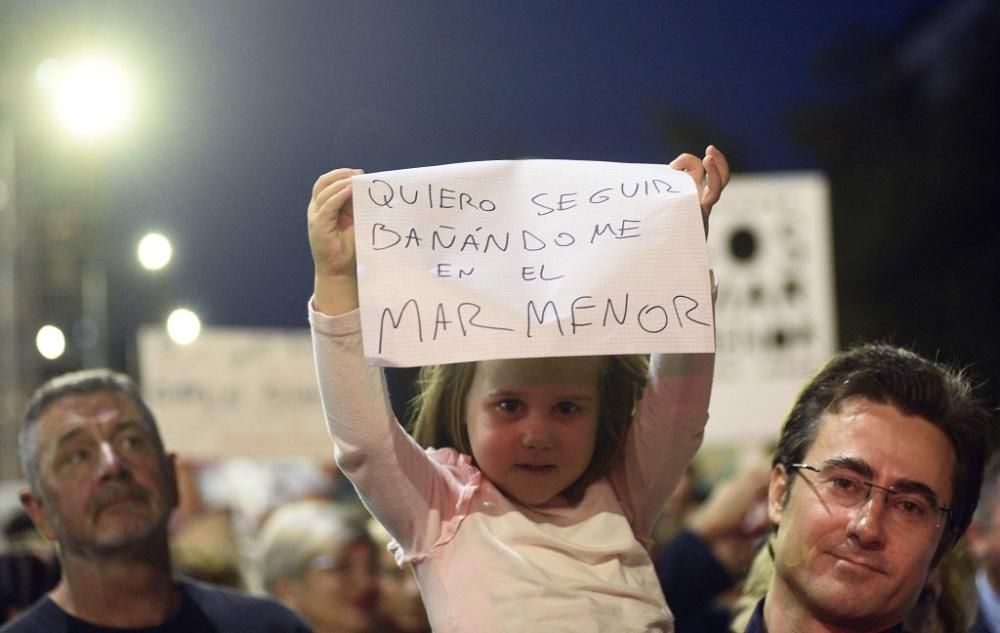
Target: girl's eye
{"x":509,"y":405}
{"x":567,"y":408}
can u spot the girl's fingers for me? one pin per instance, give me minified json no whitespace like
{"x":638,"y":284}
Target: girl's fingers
{"x":337,"y":206}
{"x":713,"y":185}
{"x":716,"y":176}
{"x":328,"y":200}
{"x":692,"y":165}
{"x":720,"y":161}
{"x":332,"y":176}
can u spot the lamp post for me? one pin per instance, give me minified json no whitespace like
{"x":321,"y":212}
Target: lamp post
{"x":92,"y":99}
{"x":10,"y":365}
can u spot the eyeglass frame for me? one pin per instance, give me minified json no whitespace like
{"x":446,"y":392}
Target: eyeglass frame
{"x":889,"y":491}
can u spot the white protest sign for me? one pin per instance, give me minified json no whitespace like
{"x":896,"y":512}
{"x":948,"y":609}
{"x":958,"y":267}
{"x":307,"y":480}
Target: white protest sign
{"x":773,"y":255}
{"x":235,"y":392}
{"x":530,"y":258}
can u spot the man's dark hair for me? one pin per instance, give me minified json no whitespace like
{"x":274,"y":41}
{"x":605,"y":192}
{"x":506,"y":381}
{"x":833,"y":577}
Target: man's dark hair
{"x":916,"y":386}
{"x":86,"y":381}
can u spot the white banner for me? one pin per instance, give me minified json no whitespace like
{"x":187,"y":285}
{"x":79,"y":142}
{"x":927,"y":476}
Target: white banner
{"x":235,"y":392}
{"x":776,"y":312}
{"x":530,"y":258}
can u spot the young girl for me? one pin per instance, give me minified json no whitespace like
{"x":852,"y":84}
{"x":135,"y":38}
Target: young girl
{"x":533,"y":511}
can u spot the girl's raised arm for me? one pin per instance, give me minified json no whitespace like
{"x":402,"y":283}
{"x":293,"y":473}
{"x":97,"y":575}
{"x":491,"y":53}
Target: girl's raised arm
{"x":331,"y":238}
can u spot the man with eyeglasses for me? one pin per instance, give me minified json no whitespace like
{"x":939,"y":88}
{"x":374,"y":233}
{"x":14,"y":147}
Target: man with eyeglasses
{"x":876,"y":475}
{"x":103,"y":487}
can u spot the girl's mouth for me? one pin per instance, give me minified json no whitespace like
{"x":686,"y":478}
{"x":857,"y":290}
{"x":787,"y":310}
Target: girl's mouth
{"x":536,"y":468}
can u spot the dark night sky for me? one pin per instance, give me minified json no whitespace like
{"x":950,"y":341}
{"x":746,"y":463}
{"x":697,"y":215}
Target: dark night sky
{"x":247,"y":102}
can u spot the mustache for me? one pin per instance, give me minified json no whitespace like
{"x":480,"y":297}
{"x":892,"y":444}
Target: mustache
{"x":113,"y":492}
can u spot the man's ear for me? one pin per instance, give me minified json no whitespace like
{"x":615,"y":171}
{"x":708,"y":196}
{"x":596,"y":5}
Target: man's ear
{"x":777,"y":494}
{"x":34,"y":505}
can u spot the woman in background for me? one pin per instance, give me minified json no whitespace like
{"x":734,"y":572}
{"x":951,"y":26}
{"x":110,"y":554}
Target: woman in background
{"x":400,"y":605}
{"x":318,"y":557}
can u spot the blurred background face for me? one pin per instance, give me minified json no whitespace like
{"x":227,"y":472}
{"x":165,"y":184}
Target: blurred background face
{"x":400,"y":604}
{"x":338,"y":592}
{"x":984,"y":541}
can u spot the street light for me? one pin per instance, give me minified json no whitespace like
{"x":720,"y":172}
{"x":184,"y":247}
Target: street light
{"x":154,"y":251}
{"x":91,"y":97}
{"x":183,"y":326}
{"x":50,"y":342}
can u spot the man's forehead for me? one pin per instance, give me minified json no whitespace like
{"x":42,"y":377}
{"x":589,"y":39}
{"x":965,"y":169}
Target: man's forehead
{"x":895,"y":445}
{"x":101,"y":407}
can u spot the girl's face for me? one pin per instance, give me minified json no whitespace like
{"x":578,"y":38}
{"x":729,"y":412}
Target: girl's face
{"x":532,"y":423}
{"x":339,"y":592}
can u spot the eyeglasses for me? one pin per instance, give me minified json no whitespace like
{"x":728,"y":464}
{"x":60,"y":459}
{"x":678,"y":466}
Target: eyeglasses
{"x":339,"y":565}
{"x":843,"y":487}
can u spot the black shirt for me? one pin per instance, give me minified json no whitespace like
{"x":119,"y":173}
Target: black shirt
{"x":204,"y":609}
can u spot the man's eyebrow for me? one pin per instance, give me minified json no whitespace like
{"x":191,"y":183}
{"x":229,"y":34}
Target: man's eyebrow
{"x":67,"y":437}
{"x":129,"y":424}
{"x":854,"y":464}
{"x":911,"y":486}
{"x":863,"y":468}
{"x":120,"y":427}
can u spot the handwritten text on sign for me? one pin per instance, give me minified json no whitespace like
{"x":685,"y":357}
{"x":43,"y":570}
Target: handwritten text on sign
{"x":530,"y":258}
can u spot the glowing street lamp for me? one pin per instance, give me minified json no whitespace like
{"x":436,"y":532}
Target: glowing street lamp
{"x":91,"y":97}
{"x":50,"y":342}
{"x":183,"y":326}
{"x":154,"y":251}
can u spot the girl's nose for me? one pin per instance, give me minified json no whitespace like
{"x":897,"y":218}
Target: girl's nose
{"x":536,"y":434}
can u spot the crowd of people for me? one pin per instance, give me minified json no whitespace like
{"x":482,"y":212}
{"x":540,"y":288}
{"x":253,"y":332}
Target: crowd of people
{"x":549,"y":494}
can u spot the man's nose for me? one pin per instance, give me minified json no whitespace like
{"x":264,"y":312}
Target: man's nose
{"x":867,"y":523}
{"x":111,"y":463}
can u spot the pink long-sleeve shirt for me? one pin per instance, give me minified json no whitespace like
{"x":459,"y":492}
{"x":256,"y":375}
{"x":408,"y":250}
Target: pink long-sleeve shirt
{"x":485,"y":563}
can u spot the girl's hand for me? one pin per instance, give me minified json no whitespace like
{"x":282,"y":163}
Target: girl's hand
{"x":711,"y":175}
{"x":331,"y":238}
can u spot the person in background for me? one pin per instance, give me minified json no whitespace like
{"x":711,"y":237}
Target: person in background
{"x":24,"y":579}
{"x":688,"y":495}
{"x":102,"y":486}
{"x":947,"y":602}
{"x":28,"y":566}
{"x":709,"y":555}
{"x":875,"y":477}
{"x":984,"y":545}
{"x":318,"y":557}
{"x":400,"y":605}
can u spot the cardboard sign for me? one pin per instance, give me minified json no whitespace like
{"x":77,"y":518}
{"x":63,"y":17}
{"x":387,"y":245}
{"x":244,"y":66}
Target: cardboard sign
{"x":531,"y":258}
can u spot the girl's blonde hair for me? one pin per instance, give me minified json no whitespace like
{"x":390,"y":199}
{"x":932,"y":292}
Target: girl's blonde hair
{"x":438,"y":411}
